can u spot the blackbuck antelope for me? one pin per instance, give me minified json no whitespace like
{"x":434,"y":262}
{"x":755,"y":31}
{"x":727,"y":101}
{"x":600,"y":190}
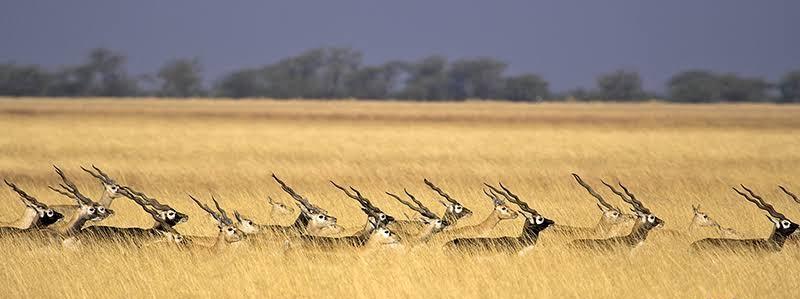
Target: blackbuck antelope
{"x":167,"y":218}
{"x":36,"y":216}
{"x":783,"y":229}
{"x":647,"y":221}
{"x":432,"y":223}
{"x":534,"y":223}
{"x":228,"y":234}
{"x":612,"y":219}
{"x":366,"y":237}
{"x":311,"y":220}
{"x":500,"y":211}
{"x":795,"y":237}
{"x":111,"y":191}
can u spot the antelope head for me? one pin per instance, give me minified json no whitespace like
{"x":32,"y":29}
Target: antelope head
{"x":534,"y":222}
{"x":227,"y":229}
{"x":246,"y":225}
{"x":382,"y":218}
{"x":46,"y":216}
{"x":170,"y":216}
{"x":88,"y":209}
{"x":454,"y":208}
{"x":701,"y":219}
{"x":502,"y":209}
{"x":380,"y":235}
{"x":647,"y":219}
{"x":318,"y":218}
{"x":110,"y":187}
{"x":433,"y":222}
{"x":279,"y":208}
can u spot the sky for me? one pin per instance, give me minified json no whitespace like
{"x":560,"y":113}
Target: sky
{"x":568,"y":42}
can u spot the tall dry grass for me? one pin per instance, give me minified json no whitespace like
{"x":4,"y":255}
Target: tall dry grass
{"x":671,"y":156}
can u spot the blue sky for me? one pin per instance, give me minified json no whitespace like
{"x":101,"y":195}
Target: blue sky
{"x":568,"y":42}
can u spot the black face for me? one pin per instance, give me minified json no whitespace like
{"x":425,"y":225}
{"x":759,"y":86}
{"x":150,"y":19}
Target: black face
{"x":785,"y":227}
{"x":461,"y":211}
{"x":651,"y":221}
{"x":173,"y":217}
{"x":49,"y":217}
{"x":537,"y":223}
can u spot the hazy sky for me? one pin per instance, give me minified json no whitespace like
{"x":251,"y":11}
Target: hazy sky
{"x":568,"y":42}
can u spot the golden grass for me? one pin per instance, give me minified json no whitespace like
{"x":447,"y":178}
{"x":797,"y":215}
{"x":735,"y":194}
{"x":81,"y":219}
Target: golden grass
{"x":671,"y":156}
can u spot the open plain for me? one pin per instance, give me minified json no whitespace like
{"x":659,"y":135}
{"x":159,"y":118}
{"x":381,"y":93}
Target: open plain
{"x":671,"y":156}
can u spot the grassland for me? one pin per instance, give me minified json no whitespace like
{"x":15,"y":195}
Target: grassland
{"x":672,"y":156}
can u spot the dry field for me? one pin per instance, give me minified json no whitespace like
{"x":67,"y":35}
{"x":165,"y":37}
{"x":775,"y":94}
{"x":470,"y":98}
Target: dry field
{"x":672,"y":156}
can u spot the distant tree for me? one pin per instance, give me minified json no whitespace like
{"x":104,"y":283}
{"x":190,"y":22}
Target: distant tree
{"x":103,"y":74}
{"x":181,"y":78}
{"x":789,"y":87}
{"x":620,"y":85}
{"x":739,"y":89}
{"x":427,"y":79}
{"x":338,"y":64}
{"x":296,"y":76}
{"x":526,"y":87}
{"x":23,"y":80}
{"x":480,"y":78}
{"x":375,"y":82}
{"x":694,"y":86}
{"x":241,"y":84}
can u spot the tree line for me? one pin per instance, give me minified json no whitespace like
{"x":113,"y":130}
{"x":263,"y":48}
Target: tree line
{"x":332,"y":73}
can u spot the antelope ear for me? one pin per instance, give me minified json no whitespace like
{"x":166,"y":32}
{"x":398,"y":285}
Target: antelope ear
{"x":372,"y":221}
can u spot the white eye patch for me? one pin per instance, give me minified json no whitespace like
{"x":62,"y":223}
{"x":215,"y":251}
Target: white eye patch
{"x":458,"y":209}
{"x":171,"y":214}
{"x":383,"y":216}
{"x":102,"y":210}
{"x":651,"y":218}
{"x":786,"y":223}
{"x":539,"y":219}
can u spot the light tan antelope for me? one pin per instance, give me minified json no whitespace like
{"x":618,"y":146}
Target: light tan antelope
{"x":534,"y":224}
{"x":432,"y":223}
{"x":783,"y":229}
{"x":701,"y":219}
{"x":500,"y":211}
{"x":647,"y":221}
{"x":612,"y":219}
{"x":36,"y":216}
{"x":111,"y":191}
